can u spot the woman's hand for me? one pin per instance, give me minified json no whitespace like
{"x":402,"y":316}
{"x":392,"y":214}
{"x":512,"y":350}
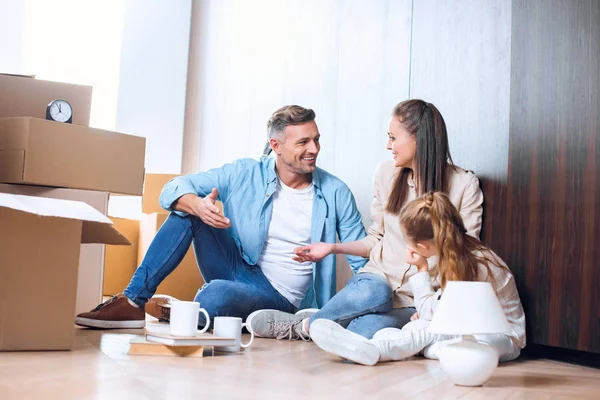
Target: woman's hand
{"x":414,"y":317}
{"x":313,"y":252}
{"x":414,"y":258}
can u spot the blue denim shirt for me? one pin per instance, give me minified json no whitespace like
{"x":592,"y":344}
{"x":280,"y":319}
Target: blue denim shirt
{"x":246,"y":187}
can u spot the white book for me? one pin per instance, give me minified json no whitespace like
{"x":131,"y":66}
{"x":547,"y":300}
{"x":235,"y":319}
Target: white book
{"x":198,"y":340}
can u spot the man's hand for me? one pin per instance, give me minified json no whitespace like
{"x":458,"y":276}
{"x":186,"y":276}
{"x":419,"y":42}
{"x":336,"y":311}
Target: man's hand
{"x":414,"y":258}
{"x":203,"y":208}
{"x":313,"y":252}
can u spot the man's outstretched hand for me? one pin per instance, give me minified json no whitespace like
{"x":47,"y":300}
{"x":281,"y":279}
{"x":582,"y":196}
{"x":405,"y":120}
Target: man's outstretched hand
{"x":204,"y":208}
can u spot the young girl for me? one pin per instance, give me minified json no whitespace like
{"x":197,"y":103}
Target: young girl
{"x":379,"y":295}
{"x":433,"y":227}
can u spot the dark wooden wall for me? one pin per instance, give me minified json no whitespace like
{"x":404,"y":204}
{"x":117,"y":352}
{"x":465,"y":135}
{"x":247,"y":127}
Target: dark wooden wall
{"x":518,"y":84}
{"x":552,"y":230}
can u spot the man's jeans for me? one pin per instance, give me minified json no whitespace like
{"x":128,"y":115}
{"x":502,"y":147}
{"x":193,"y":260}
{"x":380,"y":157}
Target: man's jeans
{"x":233,"y":287}
{"x":364,"y":306}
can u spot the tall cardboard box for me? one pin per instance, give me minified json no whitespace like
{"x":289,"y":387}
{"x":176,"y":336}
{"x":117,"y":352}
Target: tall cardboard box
{"x":91,"y":256}
{"x":29,"y":97}
{"x":186,"y":280}
{"x":39,"y":152}
{"x":153,"y":186}
{"x":40,"y":240}
{"x":120,"y":262}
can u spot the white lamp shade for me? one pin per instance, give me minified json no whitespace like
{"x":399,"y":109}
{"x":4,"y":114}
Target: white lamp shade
{"x":469,"y":308}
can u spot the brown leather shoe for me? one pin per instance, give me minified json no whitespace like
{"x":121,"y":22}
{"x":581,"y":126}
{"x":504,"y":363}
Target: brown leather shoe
{"x":159,"y":307}
{"x":114,"y":313}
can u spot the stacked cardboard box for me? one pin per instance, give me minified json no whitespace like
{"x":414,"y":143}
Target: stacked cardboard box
{"x":22,"y":96}
{"x":36,"y":151}
{"x":46,"y":159}
{"x":184,"y":282}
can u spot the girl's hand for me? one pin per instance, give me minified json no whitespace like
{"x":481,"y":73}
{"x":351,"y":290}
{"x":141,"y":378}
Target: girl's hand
{"x":313,"y":252}
{"x":414,"y":317}
{"x":414,"y":258}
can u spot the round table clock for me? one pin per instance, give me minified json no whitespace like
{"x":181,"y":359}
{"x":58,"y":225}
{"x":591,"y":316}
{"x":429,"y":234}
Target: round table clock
{"x":59,"y":110}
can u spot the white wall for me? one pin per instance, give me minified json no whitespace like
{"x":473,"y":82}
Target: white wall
{"x":152,"y":86}
{"x":471,"y":40}
{"x":12,"y":20}
{"x":347,"y":60}
{"x":152,"y":82}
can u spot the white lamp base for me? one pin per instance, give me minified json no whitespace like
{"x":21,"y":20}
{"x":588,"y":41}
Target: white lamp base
{"x":468,"y":363}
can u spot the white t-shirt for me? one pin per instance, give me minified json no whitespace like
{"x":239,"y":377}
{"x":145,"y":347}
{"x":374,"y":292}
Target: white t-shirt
{"x":290,"y":227}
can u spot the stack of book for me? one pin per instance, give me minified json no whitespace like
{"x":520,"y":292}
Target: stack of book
{"x":159,"y":343}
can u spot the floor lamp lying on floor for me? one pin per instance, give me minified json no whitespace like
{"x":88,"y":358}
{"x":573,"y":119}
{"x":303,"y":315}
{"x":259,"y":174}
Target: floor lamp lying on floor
{"x":468,"y":308}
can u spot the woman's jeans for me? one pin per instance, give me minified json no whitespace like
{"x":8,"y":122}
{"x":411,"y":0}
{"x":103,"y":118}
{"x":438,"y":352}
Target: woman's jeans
{"x":364,"y":306}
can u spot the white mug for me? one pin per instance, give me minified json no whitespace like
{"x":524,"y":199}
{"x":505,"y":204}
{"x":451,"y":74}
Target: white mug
{"x":184,"y":318}
{"x":231,"y":327}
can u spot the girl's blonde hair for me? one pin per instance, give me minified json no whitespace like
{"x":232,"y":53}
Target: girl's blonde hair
{"x":434,"y":217}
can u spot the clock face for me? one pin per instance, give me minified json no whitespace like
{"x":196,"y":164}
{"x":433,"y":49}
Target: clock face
{"x":60,"y":111}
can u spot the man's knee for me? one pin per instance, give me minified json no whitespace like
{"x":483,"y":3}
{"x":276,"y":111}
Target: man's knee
{"x":215,"y":296}
{"x":197,"y":225}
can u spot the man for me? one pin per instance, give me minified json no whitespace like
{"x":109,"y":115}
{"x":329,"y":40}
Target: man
{"x":271,"y":206}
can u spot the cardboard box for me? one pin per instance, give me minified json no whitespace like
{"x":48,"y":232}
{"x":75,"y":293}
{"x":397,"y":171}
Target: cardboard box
{"x":91,"y":256}
{"x":186,"y":280}
{"x":28,"y":97}
{"x":120,"y":262}
{"x":40,"y":152}
{"x":40,"y":240}
{"x":153,"y":186}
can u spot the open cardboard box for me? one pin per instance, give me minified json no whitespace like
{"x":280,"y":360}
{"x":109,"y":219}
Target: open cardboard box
{"x":40,"y":241}
{"x":91,"y":256}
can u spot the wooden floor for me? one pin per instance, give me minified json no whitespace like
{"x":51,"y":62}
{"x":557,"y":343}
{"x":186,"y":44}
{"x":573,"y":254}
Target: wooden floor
{"x":99,"y":368}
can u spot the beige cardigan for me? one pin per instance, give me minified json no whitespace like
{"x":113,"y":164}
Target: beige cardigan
{"x":385,"y":240}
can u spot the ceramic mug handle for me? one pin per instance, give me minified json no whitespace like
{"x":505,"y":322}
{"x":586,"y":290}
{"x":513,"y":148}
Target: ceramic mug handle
{"x":244,"y":345}
{"x":202,"y":310}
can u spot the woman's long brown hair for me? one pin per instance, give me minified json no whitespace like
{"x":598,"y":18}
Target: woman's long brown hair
{"x":434,"y":217}
{"x":424,"y":121}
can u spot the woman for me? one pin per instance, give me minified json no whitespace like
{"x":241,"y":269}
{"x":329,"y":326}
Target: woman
{"x":379,"y":296}
{"x":433,"y":227}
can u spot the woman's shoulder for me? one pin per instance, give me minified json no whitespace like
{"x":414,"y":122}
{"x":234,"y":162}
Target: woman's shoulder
{"x":457,"y":172}
{"x":462,"y":179}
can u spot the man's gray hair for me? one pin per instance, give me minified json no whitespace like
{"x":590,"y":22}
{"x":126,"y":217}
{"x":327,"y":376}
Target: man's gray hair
{"x":284,"y":117}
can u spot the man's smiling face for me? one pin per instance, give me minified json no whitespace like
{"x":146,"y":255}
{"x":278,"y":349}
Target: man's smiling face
{"x":299,"y":148}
